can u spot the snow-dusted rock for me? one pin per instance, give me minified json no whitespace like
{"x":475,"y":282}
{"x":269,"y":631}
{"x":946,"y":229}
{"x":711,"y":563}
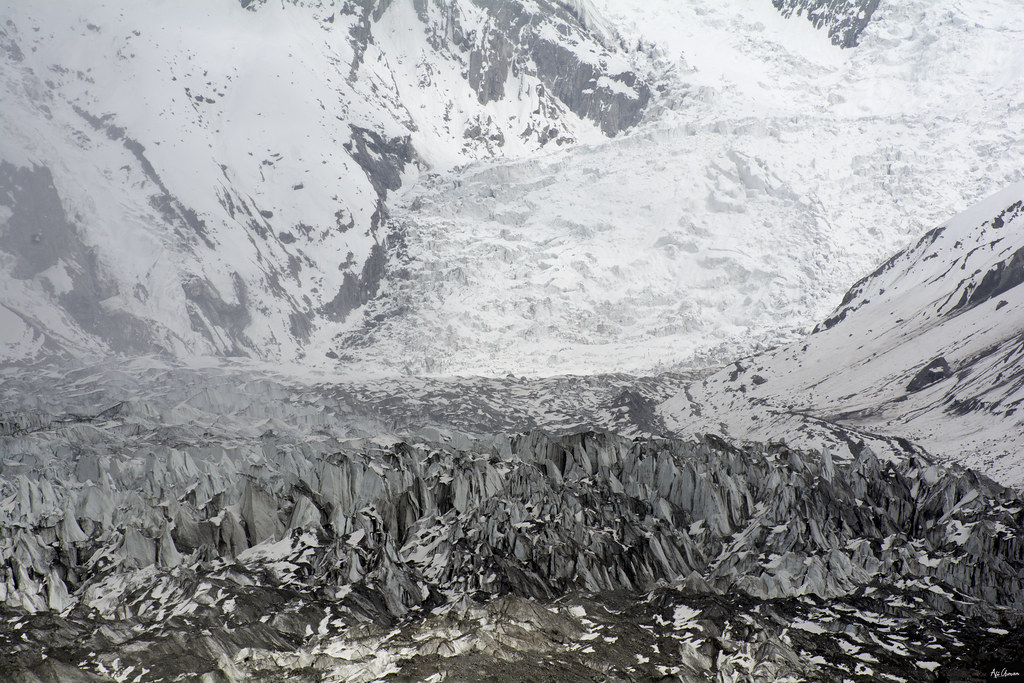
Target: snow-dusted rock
{"x":843,"y":19}
{"x":922,"y":353}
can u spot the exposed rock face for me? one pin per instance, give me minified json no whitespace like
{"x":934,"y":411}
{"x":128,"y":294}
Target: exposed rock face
{"x":844,"y":19}
{"x":45,"y":249}
{"x":555,"y":43}
{"x":289,"y":550}
{"x":935,"y":371}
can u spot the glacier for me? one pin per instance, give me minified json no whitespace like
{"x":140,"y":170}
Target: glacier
{"x":458,"y":176}
{"x":293,"y":550}
{"x":511,"y":340}
{"x":772,"y":171}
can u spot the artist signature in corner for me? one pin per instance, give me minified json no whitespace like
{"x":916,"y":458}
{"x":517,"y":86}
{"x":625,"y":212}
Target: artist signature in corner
{"x":1003,"y":673}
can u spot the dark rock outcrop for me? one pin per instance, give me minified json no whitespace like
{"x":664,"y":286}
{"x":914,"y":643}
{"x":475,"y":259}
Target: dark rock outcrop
{"x":382,"y":159}
{"x":844,"y":19}
{"x":1001,"y":278}
{"x":936,"y":371}
{"x":549,"y":41}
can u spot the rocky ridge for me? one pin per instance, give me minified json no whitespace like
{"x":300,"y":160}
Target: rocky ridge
{"x":843,"y":19}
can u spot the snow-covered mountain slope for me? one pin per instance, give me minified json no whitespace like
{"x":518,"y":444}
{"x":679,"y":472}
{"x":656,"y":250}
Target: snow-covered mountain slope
{"x":206,"y":178}
{"x":928,"y":348}
{"x":774,"y":170}
{"x":221,"y":183}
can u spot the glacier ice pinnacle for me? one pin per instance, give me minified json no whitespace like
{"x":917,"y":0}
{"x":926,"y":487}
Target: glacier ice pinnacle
{"x":277,"y":551}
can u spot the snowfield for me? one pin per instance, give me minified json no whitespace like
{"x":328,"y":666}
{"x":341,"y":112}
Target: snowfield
{"x":215,"y":178}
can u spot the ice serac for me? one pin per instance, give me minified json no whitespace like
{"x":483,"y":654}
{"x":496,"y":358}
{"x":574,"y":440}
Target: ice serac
{"x":925,"y":352}
{"x":843,"y":19}
{"x":224,"y":189}
{"x":237,"y":529}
